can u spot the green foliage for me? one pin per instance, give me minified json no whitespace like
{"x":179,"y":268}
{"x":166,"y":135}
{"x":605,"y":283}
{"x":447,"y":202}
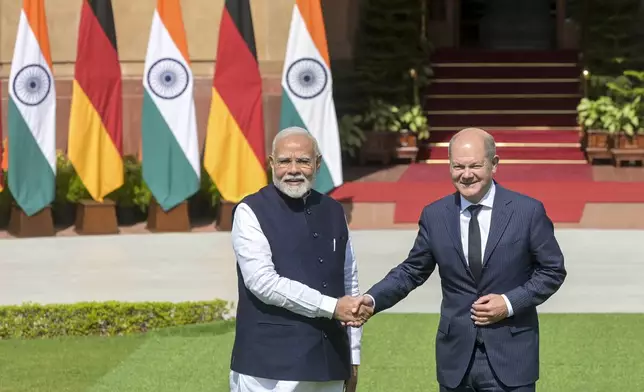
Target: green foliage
{"x":378,"y":117}
{"x":410,"y":118}
{"x":607,"y":114}
{"x":351,"y":135}
{"x":208,"y":189}
{"x":103,"y":318}
{"x":627,"y":87}
{"x":392,"y":52}
{"x":77,"y":190}
{"x":132,"y":177}
{"x":591,"y":112}
{"x":64,"y":175}
{"x":614,"y":35}
{"x":385,"y":117}
{"x":619,"y":109}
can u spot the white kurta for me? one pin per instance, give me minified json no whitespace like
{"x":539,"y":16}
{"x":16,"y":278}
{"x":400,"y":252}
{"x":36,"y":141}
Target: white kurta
{"x":254,"y":257}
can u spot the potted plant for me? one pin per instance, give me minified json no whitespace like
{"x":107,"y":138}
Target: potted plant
{"x":63,"y":209}
{"x":380,"y":143}
{"x":203,"y":203}
{"x":6,"y":201}
{"x":142,"y":197}
{"x":411,"y":123}
{"x":623,"y":121}
{"x":590,"y":115}
{"x":126,"y":211}
{"x":351,"y":135}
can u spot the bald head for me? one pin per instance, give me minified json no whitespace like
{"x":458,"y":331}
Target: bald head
{"x":476,"y":138}
{"x":473,"y":162}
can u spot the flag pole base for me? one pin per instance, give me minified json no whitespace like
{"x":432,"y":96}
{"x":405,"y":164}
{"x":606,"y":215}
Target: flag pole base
{"x":225,"y":216}
{"x":94,"y":218}
{"x":22,"y":225}
{"x":173,"y":220}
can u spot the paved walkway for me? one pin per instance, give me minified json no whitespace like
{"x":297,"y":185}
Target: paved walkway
{"x":605,"y":269}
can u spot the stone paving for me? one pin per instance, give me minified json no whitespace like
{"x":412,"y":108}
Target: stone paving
{"x":605,"y":269}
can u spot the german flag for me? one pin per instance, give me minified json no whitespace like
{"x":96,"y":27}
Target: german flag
{"x":95,"y":145}
{"x":234,"y":155}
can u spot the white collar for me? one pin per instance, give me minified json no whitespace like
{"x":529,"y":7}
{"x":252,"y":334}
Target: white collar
{"x":486,"y":201}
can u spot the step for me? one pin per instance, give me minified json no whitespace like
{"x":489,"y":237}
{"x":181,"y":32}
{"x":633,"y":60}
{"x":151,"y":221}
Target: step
{"x":506,"y":72}
{"x":445,"y":86}
{"x":501,"y":103}
{"x":495,"y":120}
{"x":504,"y":56}
{"x":523,"y":153}
{"x":513,"y":128}
{"x":514,"y":136}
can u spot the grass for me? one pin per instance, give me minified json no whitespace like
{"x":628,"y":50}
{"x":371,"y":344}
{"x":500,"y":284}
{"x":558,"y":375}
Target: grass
{"x":602,"y":352}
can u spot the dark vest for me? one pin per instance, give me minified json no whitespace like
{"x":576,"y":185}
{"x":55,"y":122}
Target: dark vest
{"x":275,"y":343}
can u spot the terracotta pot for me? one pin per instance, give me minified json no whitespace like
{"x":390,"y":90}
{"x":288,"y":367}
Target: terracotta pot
{"x":624,"y":141}
{"x":598,"y":138}
{"x":640,"y":140}
{"x":407,"y":139}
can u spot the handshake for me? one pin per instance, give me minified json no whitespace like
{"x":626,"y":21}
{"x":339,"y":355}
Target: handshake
{"x":353,"y":311}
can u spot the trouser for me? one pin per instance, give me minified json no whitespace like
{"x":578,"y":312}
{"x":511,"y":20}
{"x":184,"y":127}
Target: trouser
{"x":480,"y":377}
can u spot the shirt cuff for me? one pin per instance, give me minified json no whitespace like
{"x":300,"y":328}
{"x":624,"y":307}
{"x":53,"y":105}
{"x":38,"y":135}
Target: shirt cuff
{"x":355,"y":356}
{"x":372,"y":300}
{"x":509,"y":305}
{"x":327,"y":307}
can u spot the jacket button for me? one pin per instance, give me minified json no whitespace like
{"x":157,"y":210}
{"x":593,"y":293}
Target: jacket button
{"x":324,"y":284}
{"x":308,"y":211}
{"x":326,"y":336}
{"x":320,"y":259}
{"x":315,"y":235}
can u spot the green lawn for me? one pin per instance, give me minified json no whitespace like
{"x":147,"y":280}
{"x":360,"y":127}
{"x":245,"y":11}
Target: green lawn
{"x":603,"y":352}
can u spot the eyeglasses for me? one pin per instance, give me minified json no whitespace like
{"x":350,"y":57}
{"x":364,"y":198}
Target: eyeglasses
{"x":301,"y":162}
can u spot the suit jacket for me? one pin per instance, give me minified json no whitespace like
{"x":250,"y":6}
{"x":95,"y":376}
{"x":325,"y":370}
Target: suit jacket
{"x":522,"y":260}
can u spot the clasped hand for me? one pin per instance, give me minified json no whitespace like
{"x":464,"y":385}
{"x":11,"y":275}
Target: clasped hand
{"x":353,"y":311}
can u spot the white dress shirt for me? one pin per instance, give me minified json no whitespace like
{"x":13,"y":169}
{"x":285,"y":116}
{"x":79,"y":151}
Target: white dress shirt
{"x":484,"y":218}
{"x":254,"y":258}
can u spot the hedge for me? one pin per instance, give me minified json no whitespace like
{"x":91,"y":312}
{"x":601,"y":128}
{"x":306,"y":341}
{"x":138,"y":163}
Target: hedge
{"x":103,"y":318}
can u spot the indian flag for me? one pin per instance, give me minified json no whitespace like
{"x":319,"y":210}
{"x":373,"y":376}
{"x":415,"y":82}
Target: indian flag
{"x":32,"y":113}
{"x":169,"y":127}
{"x":307,"y":89}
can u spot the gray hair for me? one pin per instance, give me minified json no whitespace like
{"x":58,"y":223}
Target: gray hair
{"x":488,"y":142}
{"x":296,"y":131}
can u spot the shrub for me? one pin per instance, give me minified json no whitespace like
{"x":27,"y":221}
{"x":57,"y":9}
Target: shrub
{"x":103,"y":318}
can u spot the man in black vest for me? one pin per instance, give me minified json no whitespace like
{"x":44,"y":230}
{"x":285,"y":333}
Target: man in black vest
{"x":297,"y":280}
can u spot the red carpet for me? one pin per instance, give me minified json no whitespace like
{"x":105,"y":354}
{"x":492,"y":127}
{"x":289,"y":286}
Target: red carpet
{"x":564,"y":201}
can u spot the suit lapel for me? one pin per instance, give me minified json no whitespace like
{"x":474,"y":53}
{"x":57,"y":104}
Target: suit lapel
{"x":453,"y":224}
{"x":501,"y":213}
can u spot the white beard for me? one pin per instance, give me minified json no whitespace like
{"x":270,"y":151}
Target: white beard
{"x":294,"y":191}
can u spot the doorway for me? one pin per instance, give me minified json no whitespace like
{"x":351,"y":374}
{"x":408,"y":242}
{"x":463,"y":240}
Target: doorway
{"x":507,"y":24}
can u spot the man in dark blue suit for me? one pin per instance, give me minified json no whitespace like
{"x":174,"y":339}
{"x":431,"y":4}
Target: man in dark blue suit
{"x":498,"y":259}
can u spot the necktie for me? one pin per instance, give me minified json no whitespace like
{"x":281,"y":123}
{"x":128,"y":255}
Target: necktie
{"x":474,"y":252}
{"x":474,"y":256}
